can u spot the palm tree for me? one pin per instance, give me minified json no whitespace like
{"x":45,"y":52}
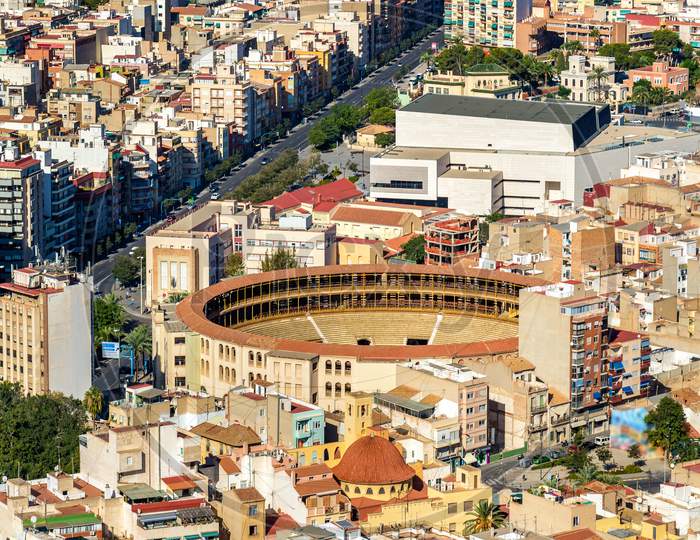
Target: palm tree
{"x":427,"y":58}
{"x":93,"y":402}
{"x":140,"y":339}
{"x":595,"y":36}
{"x":547,"y":71}
{"x":598,"y":76}
{"x":572,"y":47}
{"x":485,"y":516}
{"x":642,"y":92}
{"x":585,"y":474}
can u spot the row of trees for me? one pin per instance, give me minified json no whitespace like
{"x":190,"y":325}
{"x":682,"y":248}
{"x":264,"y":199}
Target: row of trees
{"x":378,"y":107}
{"x":277,"y":260}
{"x":276,"y":177}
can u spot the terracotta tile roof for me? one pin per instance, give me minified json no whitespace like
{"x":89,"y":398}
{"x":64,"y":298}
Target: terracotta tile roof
{"x":623,"y":336}
{"x":518,"y":364}
{"x":372,"y":460}
{"x":637,"y":180}
{"x":387,"y":218}
{"x":21,"y":164}
{"x":167,"y":506}
{"x":395,"y":245}
{"x":557,"y":398}
{"x":88,"y":489}
{"x":275,"y":521}
{"x":177,"y":483}
{"x":248,"y":494}
{"x":338,"y":191}
{"x":312,"y":487}
{"x":375,"y":129}
{"x":578,"y":534}
{"x":233,"y":435}
{"x":228,"y":465}
{"x":403,"y":391}
{"x":315,"y":469}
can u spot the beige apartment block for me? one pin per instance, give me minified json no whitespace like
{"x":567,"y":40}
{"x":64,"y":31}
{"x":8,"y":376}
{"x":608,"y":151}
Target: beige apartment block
{"x":46,"y":338}
{"x":547,"y":516}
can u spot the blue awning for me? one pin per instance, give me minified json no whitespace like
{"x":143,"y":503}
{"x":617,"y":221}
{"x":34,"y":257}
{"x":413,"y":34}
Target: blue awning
{"x":644,"y":383}
{"x":596,"y":395}
{"x":617,"y":366}
{"x":627,"y":390}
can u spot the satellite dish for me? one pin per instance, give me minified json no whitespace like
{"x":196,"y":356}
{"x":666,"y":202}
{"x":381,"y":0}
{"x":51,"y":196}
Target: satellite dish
{"x":56,"y":468}
{"x":33,"y":520}
{"x":4,"y":479}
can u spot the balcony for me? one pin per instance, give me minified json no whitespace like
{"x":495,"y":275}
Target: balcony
{"x":534,"y":428}
{"x":559,"y":420}
{"x":536,"y":409}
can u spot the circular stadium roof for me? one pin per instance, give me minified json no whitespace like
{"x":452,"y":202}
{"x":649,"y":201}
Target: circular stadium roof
{"x":201,"y":311}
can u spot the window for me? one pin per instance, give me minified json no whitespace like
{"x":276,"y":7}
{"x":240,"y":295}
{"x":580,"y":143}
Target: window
{"x":452,"y":508}
{"x":179,"y":340}
{"x":129,"y":460}
{"x":253,"y":530}
{"x":179,"y":360}
{"x":252,"y":510}
{"x":576,"y":521}
{"x":468,"y":505}
{"x":180,"y":381}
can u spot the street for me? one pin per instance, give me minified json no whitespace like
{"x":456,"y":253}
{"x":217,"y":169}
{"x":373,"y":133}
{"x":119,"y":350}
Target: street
{"x":297,"y":139}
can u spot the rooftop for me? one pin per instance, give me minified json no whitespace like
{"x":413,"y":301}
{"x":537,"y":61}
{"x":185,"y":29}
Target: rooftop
{"x":526,"y":111}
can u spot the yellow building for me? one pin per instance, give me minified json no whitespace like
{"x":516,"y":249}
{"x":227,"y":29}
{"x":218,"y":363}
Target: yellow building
{"x":386,"y":493}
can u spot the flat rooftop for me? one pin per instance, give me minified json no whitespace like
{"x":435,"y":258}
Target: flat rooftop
{"x":525,"y":111}
{"x":471,"y":174}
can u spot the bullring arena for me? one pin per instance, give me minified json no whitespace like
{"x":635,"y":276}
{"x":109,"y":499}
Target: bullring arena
{"x":307,"y":329}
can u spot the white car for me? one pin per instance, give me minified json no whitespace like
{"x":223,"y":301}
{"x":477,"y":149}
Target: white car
{"x":215,"y":196}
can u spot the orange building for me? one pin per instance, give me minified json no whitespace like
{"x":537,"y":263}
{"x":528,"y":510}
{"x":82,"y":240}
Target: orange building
{"x":661,"y":75}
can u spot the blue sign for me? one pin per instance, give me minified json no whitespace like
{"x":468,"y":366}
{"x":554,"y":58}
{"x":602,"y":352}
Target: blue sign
{"x":110,"y":349}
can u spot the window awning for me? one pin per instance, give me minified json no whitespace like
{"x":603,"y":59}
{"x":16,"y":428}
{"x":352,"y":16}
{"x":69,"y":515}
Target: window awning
{"x":627,"y":390}
{"x":617,"y":366}
{"x":596,"y":395}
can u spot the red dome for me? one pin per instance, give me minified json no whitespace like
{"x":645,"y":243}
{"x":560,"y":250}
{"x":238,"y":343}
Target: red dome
{"x":372,"y":460}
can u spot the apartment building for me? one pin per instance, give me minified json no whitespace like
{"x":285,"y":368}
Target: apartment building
{"x":21,"y":221}
{"x":550,"y":515}
{"x":77,"y":107}
{"x":224,"y":96}
{"x":59,"y":209}
{"x":487,"y":24}
{"x":278,"y":420}
{"x":578,"y":247}
{"x":575,"y":362}
{"x":463,"y":387}
{"x":448,"y":241}
{"x":681,"y":275}
{"x":46,"y":315}
{"x":243,"y":514}
{"x":660,"y":75}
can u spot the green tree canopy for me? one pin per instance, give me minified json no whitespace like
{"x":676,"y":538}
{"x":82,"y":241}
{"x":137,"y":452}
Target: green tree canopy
{"x":485,"y":516}
{"x":234,"y":265}
{"x":108,"y":318}
{"x":126,"y":269}
{"x":414,"y":249}
{"x":93,"y":402}
{"x":666,"y":42}
{"x":141,"y":341}
{"x":279,"y":259}
{"x":386,"y":116}
{"x":383,"y":96}
{"x":385,"y":139}
{"x":38,"y":433}
{"x":666,"y":425}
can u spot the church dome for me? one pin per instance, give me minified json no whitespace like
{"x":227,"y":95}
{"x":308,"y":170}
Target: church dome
{"x":372,"y":460}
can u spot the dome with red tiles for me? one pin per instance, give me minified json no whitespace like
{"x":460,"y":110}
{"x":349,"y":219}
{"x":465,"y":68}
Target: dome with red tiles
{"x":373,"y":460}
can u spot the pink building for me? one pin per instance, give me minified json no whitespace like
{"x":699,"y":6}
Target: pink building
{"x":661,"y":75}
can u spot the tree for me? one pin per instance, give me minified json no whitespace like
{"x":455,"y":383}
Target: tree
{"x":414,"y":249}
{"x":666,"y":425}
{"x":546,"y":70}
{"x":38,"y":432}
{"x":564,"y":92}
{"x":492,"y":218}
{"x":427,"y":58}
{"x":595,"y":36}
{"x":587,"y":473}
{"x":108,"y":318}
{"x":279,"y":260}
{"x":385,"y":116}
{"x":93,"y":402}
{"x":383,"y":96}
{"x":619,"y":51}
{"x":598,"y":77}
{"x":634,"y":451}
{"x":603,"y":454}
{"x":485,"y":516}
{"x":234,"y":266}
{"x":572,"y":47}
{"x":126,"y":269}
{"x":385,"y":139}
{"x":666,"y":43}
{"x":141,"y":341}
{"x":641,"y":92}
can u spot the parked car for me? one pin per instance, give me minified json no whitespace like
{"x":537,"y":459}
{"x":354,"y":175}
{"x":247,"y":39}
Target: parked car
{"x":554,"y":454}
{"x":215,"y":196}
{"x":539,"y":460}
{"x":524,"y":462}
{"x":602,"y":441}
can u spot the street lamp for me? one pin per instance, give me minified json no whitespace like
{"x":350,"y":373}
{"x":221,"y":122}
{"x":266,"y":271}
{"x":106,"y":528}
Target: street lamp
{"x":140,"y":284}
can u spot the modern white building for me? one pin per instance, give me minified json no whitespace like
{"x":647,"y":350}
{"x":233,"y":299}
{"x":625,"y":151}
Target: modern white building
{"x":480,"y":155}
